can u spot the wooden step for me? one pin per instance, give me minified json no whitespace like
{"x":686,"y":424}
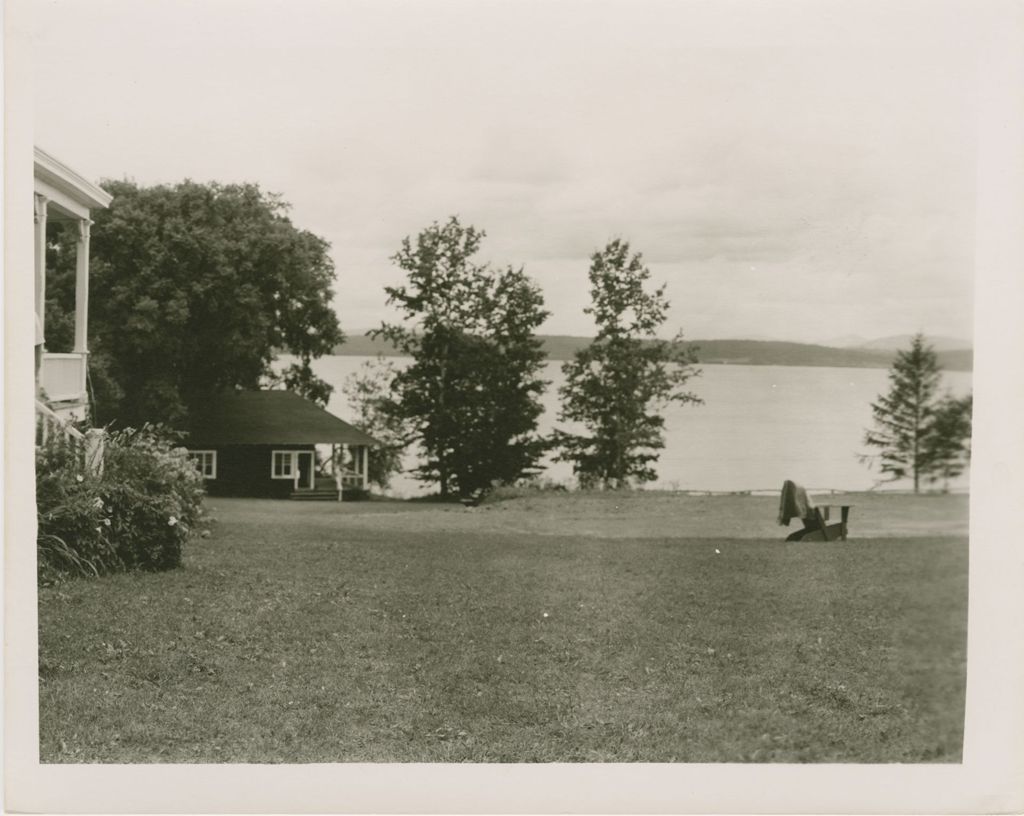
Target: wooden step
{"x":319,"y":494}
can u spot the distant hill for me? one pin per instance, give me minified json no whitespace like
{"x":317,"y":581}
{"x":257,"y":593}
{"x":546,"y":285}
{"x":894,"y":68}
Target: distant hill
{"x":715,"y":352}
{"x":357,"y":344}
{"x":770,"y":352}
{"x":902,"y":341}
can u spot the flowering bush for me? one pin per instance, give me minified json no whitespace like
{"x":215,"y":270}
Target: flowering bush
{"x":73,"y":525}
{"x":155,"y":495}
{"x":136,"y":514}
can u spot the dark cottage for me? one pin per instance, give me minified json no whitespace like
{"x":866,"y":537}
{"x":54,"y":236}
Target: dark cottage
{"x":263,"y":444}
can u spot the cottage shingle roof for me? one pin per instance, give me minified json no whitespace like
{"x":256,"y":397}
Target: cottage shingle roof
{"x":269,"y":418}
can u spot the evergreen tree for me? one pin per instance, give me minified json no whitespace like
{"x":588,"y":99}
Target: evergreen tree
{"x":617,"y":386}
{"x":471,"y":395}
{"x":919,"y":434}
{"x":948,"y":443}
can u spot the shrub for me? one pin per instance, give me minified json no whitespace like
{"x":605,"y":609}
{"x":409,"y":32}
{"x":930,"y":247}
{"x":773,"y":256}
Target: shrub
{"x":522,"y":489}
{"x":136,"y":514}
{"x":73,"y":535}
{"x":155,"y":497}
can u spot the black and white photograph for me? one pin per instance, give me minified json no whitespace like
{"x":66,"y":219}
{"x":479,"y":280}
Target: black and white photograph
{"x":511,"y":383}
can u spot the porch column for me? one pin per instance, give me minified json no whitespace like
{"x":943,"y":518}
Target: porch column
{"x":40,"y":258}
{"x":82,"y":288}
{"x":336,"y":468}
{"x":365,"y":450}
{"x":344,"y":456}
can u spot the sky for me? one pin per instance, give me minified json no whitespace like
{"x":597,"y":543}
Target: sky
{"x":791,"y":170}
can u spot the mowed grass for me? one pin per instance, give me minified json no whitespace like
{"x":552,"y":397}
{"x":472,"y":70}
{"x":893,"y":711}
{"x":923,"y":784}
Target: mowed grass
{"x":401,"y":632}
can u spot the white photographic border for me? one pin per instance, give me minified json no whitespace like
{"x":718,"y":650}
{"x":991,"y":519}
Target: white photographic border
{"x":989,"y":780}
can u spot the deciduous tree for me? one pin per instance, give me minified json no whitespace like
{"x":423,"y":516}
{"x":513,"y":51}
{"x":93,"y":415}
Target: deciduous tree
{"x":368,"y":391}
{"x":472,"y":392}
{"x":194,"y":287}
{"x":617,"y":387}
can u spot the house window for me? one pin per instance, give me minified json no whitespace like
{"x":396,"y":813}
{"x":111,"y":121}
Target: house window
{"x":206,"y":462}
{"x":283,"y":465}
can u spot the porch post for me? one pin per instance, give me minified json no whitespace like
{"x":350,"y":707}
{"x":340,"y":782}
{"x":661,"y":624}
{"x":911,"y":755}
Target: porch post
{"x":366,"y":466}
{"x":82,"y":288}
{"x":336,"y":468}
{"x":344,"y":456}
{"x":40,"y":258}
{"x":95,"y":444}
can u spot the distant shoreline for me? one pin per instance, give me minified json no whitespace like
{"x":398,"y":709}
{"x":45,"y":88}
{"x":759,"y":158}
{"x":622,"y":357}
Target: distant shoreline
{"x":712,"y":352}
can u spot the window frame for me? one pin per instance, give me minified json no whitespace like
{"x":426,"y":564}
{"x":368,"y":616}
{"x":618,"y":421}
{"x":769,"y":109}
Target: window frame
{"x":199,"y":457}
{"x":290,"y":458}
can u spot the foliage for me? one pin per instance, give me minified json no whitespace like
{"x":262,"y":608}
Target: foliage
{"x":525,"y":488}
{"x":299,"y":378}
{"x":919,"y":434}
{"x":61,"y":238}
{"x":948,"y":438}
{"x":617,"y":386}
{"x":195,"y":287}
{"x":369,"y":398}
{"x":471,"y":395}
{"x":73,"y":533}
{"x":155,"y":495}
{"x":137,"y":513}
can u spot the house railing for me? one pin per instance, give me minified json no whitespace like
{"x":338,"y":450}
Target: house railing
{"x":62,"y":376}
{"x":350,"y":478}
{"x":52,"y":428}
{"x":349,"y":467}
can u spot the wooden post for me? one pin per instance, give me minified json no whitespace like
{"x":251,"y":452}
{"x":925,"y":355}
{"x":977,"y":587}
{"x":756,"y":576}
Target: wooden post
{"x":366,"y":466}
{"x":336,"y":467}
{"x":95,"y":442}
{"x":344,"y":456}
{"x":40,"y":236}
{"x":82,"y":288}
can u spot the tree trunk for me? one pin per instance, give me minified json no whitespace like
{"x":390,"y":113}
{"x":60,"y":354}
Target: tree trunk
{"x":442,"y":454}
{"x":917,"y":445}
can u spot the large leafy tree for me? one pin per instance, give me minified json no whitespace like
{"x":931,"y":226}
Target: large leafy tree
{"x":471,"y":395}
{"x":195,"y":287}
{"x":919,"y":434}
{"x":617,"y":387}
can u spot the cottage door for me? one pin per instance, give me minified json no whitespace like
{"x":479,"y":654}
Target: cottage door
{"x":305,"y":471}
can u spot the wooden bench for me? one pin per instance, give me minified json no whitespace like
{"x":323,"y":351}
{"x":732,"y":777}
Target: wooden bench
{"x":817,"y":527}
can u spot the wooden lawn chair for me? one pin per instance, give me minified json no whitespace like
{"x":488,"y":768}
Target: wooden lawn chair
{"x":817,"y":527}
{"x":815,"y":519}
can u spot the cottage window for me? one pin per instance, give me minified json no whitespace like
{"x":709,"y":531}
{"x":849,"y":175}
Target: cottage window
{"x":283,"y":465}
{"x":206,"y":462}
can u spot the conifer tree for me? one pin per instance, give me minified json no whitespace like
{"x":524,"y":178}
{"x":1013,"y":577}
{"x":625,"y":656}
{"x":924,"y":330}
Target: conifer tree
{"x":920,"y":435}
{"x":949,"y":439}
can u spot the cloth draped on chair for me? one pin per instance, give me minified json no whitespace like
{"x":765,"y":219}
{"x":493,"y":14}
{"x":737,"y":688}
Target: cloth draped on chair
{"x":794,"y":503}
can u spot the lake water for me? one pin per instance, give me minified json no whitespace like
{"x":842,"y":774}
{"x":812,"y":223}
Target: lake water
{"x":758,"y":426}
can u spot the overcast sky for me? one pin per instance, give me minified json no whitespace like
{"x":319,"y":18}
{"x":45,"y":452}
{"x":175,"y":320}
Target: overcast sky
{"x":798,"y":171}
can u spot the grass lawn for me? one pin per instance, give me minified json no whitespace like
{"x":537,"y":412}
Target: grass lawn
{"x":650,"y":627}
